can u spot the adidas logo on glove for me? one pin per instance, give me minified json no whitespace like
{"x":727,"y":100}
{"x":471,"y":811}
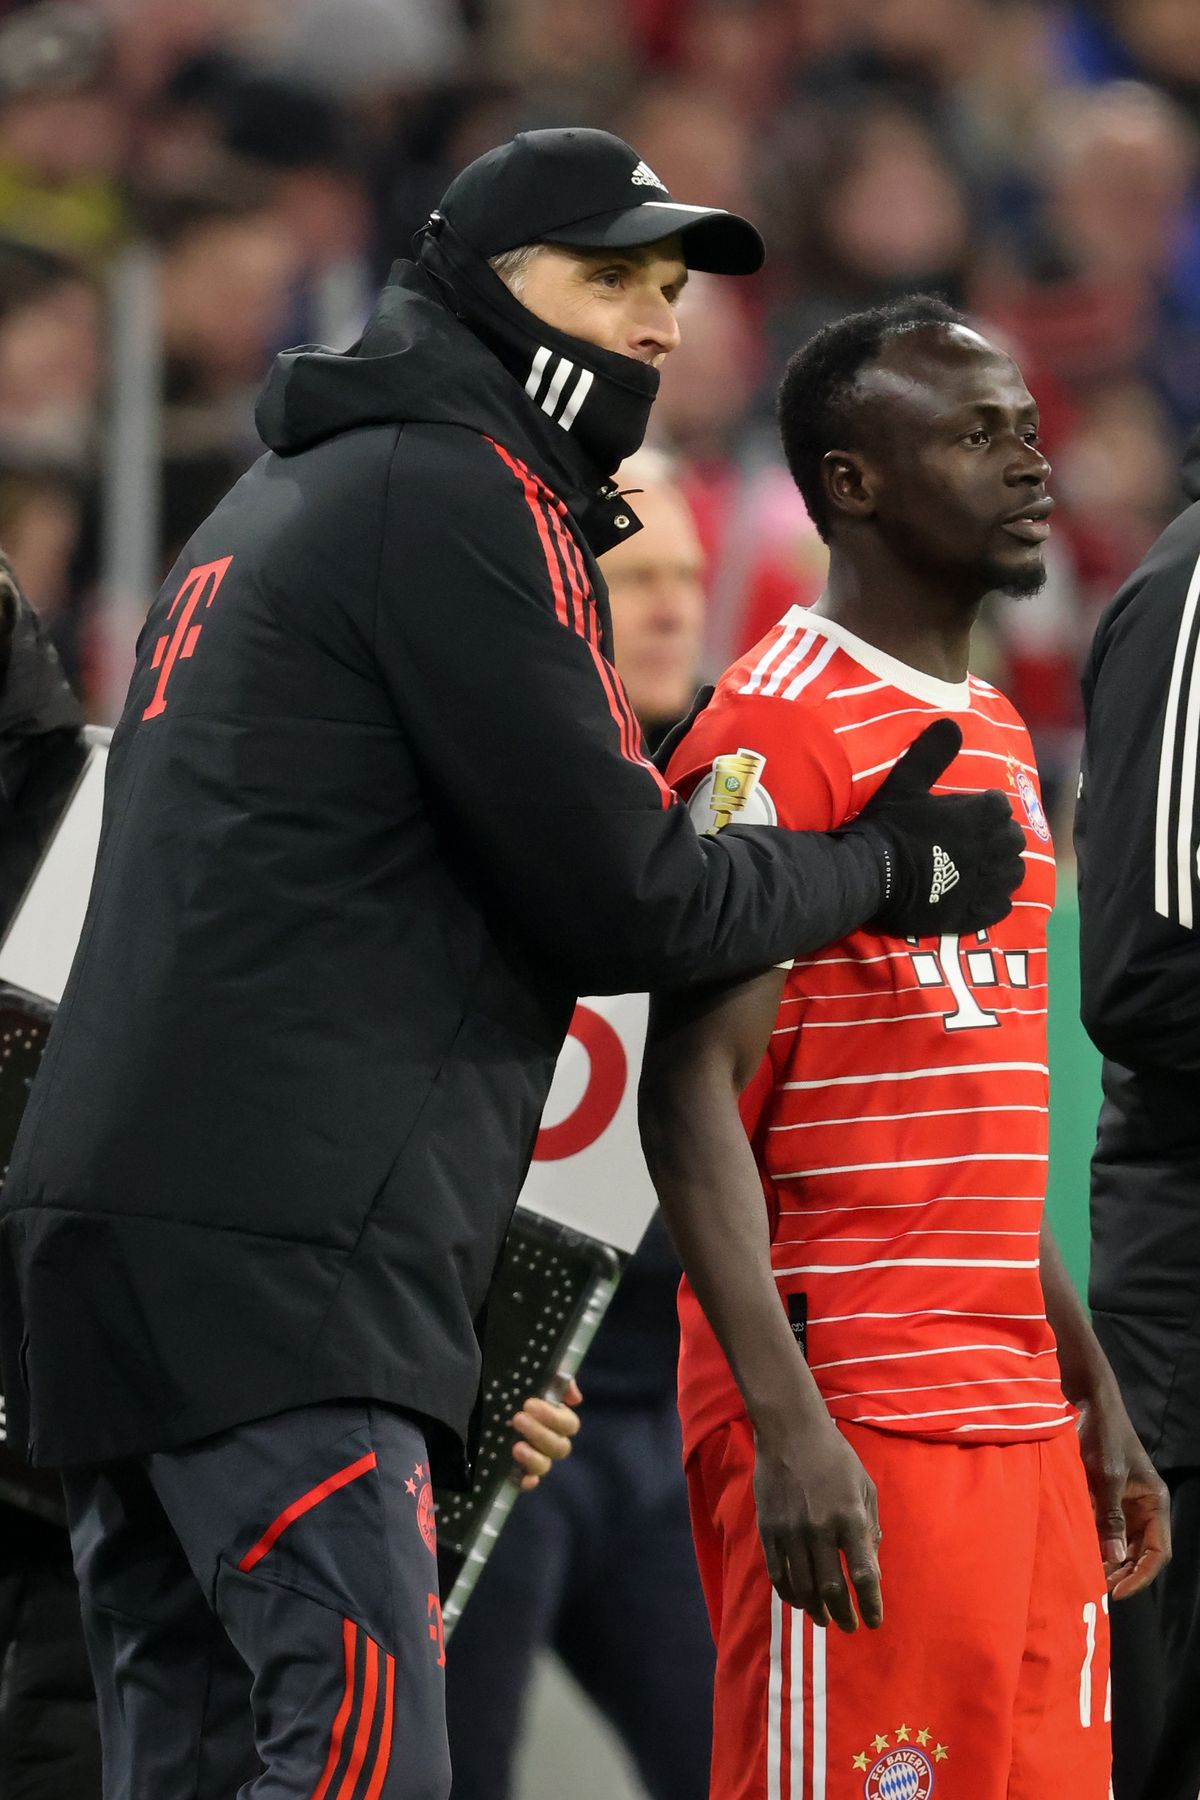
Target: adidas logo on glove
{"x":945,"y":875}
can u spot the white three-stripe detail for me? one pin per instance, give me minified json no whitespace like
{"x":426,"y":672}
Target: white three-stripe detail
{"x":1177,"y":762}
{"x":819,"y":1641}
{"x":795,"y":624}
{"x":563,"y":369}
{"x":789,"y":662}
{"x":578,"y":395}
{"x":774,"y":1699}
{"x":814,"y":668}
{"x":540,"y":360}
{"x":796,"y":1705}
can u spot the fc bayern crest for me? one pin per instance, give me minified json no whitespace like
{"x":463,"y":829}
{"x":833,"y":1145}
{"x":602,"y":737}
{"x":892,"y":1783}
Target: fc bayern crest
{"x":1029,"y":799}
{"x":904,"y":1773}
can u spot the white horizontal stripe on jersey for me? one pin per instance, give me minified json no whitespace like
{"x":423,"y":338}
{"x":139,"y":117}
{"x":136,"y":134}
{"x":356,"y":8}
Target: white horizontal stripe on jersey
{"x":895,"y":1237}
{"x":868,"y":687}
{"x":913,"y":1162}
{"x":814,"y":1212}
{"x":905,"y":1262}
{"x":1037,"y":1425}
{"x":987,"y":755}
{"x":784,"y":667}
{"x":1035,"y":905}
{"x":988,"y":1068}
{"x":1025,"y":1012}
{"x":845,"y":1362}
{"x":924,"y":1312}
{"x":937,"y":1112}
{"x":907,"y":987}
{"x":1177,"y":765}
{"x":902,"y":712}
{"x":1037,"y":856}
{"x":770,"y":655}
{"x":954,"y":1412}
{"x":799,"y":682}
{"x":820,"y":962}
{"x":940,"y":1387}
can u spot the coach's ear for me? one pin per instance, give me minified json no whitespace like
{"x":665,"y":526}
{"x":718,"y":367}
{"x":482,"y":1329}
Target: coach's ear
{"x":848,"y":483}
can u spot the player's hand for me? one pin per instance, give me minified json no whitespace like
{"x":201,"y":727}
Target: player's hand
{"x":819,"y":1523}
{"x":1132,"y":1505}
{"x":954,"y":860}
{"x":545,"y":1431}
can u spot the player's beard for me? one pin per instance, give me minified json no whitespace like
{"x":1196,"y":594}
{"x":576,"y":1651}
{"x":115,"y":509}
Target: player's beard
{"x":1020,"y":584}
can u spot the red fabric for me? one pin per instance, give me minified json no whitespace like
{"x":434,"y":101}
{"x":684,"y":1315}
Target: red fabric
{"x":304,"y":1504}
{"x":902,"y":1137}
{"x":989,"y":1675}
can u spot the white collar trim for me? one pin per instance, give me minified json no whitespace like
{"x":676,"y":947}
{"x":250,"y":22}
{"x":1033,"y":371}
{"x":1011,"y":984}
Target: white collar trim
{"x":954,"y":696}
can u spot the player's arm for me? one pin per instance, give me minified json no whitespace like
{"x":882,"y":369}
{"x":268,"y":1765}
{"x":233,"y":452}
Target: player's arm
{"x":816,"y":1503}
{"x":1132,"y":1505}
{"x":534,"y":770}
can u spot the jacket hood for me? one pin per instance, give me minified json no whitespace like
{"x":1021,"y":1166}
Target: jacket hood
{"x":414,"y":364}
{"x":1191,"y":467}
{"x":418,"y":364}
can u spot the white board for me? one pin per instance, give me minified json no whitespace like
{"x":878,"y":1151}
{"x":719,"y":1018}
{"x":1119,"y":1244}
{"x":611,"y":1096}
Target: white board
{"x":39,"y":945}
{"x":588,"y":1170}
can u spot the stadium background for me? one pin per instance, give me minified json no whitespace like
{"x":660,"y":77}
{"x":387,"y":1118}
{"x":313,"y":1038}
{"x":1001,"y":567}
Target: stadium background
{"x":186,"y":186}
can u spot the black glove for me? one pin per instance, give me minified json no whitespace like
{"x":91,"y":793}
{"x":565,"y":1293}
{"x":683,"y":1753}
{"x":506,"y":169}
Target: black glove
{"x":953,"y":861}
{"x":677,"y":733}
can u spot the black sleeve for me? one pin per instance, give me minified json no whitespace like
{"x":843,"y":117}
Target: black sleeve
{"x":1137,"y":828}
{"x":535,"y":766}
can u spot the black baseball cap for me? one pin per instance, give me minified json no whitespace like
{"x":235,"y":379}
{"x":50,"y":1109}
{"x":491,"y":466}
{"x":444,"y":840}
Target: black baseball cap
{"x":577,"y":186}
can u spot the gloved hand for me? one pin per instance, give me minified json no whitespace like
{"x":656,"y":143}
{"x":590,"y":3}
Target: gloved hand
{"x":953,"y":860}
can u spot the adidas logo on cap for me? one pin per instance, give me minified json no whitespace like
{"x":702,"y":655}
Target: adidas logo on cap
{"x":644,"y":176}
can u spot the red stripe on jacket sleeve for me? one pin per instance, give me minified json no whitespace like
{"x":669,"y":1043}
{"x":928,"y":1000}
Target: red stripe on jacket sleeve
{"x":549,"y":516}
{"x":530,"y":486}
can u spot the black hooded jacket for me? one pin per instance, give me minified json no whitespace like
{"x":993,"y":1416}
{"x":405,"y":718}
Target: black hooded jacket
{"x":1137,"y":837}
{"x":377,"y":810}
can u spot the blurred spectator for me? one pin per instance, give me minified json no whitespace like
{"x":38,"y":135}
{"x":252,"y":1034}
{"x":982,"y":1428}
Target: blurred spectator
{"x":63,"y":131}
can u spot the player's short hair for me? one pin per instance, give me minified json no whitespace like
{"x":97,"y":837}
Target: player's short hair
{"x":816,"y":406}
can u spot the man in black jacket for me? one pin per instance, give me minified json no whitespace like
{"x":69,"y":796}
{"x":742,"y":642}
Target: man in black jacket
{"x":377,"y":810}
{"x":1137,"y":833}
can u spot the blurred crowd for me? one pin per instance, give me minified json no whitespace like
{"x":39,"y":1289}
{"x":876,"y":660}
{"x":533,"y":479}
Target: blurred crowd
{"x":186,"y":186}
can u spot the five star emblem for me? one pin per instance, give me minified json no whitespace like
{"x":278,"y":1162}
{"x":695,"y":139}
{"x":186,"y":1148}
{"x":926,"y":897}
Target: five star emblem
{"x":923,"y":1738}
{"x":860,"y":1761}
{"x":902,"y":1734}
{"x":879,"y":1742}
{"x":940,"y":1753}
{"x":410,"y":1487}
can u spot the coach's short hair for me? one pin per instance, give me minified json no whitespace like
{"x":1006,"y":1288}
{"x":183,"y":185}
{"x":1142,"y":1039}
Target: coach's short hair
{"x":816,"y":405}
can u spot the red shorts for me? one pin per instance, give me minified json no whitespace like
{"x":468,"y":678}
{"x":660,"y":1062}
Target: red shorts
{"x":988,"y":1679}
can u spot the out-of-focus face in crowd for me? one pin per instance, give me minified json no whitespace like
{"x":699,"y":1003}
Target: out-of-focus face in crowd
{"x":655,"y":586}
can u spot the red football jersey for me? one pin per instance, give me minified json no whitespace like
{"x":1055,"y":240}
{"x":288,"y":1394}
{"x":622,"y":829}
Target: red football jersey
{"x":899,"y":1120}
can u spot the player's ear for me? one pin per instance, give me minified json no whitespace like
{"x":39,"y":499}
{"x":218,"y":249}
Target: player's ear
{"x":848,"y":482}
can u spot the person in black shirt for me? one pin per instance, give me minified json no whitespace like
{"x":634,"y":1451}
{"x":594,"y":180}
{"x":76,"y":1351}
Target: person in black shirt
{"x":1137,"y":837}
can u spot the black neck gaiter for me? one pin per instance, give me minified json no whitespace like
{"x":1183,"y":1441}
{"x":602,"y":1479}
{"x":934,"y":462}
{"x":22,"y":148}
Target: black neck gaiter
{"x":601,"y":398}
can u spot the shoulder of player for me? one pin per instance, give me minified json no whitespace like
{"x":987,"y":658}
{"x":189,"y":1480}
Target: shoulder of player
{"x":735,"y":720}
{"x":993,"y":715}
